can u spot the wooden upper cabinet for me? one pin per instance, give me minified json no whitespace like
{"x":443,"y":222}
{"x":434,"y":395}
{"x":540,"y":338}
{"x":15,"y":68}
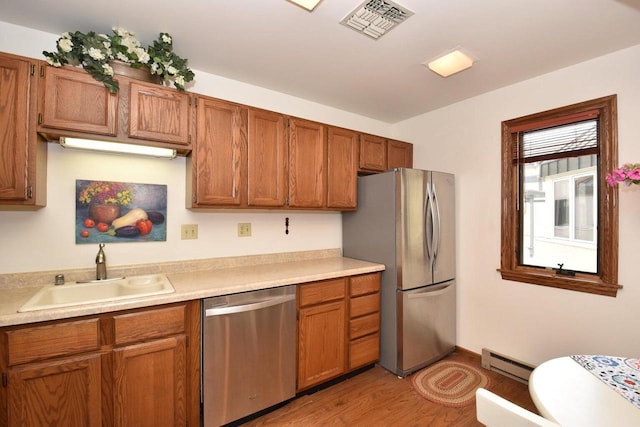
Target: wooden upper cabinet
{"x":216,"y":169}
{"x":23,"y":158}
{"x":307,"y":174}
{"x":379,"y":154}
{"x":342,"y":161}
{"x":267,"y":158}
{"x":74,"y":104}
{"x":73,"y":100}
{"x":373,"y":153}
{"x":399,"y":154}
{"x":158,"y":113}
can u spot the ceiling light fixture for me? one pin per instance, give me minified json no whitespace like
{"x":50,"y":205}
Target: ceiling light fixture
{"x":117,"y":147}
{"x":450,"y":63}
{"x":307,"y":4}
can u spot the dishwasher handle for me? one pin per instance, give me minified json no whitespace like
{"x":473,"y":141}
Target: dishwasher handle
{"x":232,"y":309}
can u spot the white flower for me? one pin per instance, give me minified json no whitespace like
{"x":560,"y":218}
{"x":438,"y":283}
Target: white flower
{"x":122,"y":57}
{"x":142,"y":55}
{"x":119,"y":31}
{"x":166,"y":38}
{"x":107,"y":69}
{"x":96,"y":54}
{"x":180,"y":80}
{"x":54,"y":62}
{"x":65,"y":44}
{"x":172,"y":70}
{"x":154,"y":68}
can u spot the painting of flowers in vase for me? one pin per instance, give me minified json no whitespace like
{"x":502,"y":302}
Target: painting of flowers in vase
{"x":118,"y":212}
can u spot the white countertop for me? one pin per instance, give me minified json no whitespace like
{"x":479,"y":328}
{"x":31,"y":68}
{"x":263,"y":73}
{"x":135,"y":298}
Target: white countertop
{"x":567,"y":393}
{"x":194,"y":285}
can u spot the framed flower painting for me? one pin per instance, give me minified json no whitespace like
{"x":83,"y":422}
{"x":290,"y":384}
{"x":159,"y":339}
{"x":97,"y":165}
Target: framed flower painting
{"x":120,"y":212}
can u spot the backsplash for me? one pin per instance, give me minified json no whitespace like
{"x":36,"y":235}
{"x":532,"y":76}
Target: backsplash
{"x":39,"y":278}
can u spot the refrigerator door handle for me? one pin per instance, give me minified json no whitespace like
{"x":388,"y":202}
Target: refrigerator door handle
{"x":430,"y":291}
{"x":437,"y":224}
{"x":428,"y":225}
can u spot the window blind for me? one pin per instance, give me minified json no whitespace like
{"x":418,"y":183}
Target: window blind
{"x":559,"y":141}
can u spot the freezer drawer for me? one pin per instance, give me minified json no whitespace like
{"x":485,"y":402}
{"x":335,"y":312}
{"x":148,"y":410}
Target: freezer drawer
{"x":426,"y":325}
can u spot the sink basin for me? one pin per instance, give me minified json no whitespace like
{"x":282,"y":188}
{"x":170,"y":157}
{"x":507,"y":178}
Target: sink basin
{"x":76,"y":293}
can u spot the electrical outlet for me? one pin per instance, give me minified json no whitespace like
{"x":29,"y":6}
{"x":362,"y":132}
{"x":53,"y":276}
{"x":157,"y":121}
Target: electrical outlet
{"x":189,"y":231}
{"x":244,"y":229}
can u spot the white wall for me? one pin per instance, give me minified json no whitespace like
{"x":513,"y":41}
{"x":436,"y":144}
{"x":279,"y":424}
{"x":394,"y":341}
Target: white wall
{"x":532,"y":323}
{"x":44,"y":239}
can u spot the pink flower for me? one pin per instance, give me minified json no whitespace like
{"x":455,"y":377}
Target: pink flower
{"x":629,"y":174}
{"x":634,"y":174}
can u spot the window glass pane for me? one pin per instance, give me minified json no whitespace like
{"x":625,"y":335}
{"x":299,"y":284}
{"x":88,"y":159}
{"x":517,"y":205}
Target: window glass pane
{"x":558,"y":214}
{"x":561,"y":211}
{"x":584,"y":212}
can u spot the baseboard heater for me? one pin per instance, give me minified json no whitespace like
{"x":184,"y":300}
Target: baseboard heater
{"x":506,"y":365}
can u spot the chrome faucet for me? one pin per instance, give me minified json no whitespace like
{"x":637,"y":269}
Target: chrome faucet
{"x":101,"y":264}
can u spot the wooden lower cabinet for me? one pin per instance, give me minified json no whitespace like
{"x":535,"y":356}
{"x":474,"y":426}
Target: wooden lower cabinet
{"x":153,"y":375}
{"x":321,"y":350}
{"x":64,"y":392}
{"x":338,"y":327}
{"x":133,"y":368}
{"x":364,"y":320}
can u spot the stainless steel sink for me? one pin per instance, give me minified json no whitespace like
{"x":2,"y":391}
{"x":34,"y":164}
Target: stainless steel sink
{"x":77,"y":293}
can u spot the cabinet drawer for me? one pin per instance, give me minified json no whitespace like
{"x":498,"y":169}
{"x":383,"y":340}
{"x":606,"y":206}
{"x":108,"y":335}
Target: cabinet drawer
{"x":144,"y":325}
{"x":43,"y":342}
{"x":328,"y":290}
{"x":364,"y":351}
{"x":364,"y":325}
{"x":364,"y":305}
{"x":365,"y":284}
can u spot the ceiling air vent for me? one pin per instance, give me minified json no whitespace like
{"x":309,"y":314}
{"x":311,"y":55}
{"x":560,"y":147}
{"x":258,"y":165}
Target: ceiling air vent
{"x":375,"y":18}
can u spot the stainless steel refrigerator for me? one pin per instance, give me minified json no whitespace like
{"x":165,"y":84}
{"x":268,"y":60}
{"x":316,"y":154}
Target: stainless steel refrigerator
{"x":405,"y":220}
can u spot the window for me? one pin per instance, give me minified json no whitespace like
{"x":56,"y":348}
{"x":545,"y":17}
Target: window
{"x":559,"y":218}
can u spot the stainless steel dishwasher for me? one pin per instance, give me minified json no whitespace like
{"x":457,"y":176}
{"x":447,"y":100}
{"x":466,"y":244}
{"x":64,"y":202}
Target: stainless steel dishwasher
{"x":248,"y":353}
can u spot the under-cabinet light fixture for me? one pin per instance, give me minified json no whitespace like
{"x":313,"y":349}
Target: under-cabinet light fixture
{"x":307,"y":4}
{"x":117,"y":147}
{"x":451,"y":63}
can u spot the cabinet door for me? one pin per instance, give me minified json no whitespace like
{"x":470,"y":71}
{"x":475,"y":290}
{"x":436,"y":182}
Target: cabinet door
{"x":373,"y":153}
{"x":22,"y":158}
{"x":307,"y":174}
{"x":150,"y":383}
{"x":267,"y":154}
{"x":73,"y":100}
{"x":321,"y":343}
{"x":64,"y":392}
{"x":158,"y":113}
{"x":219,"y":157}
{"x":342,"y":168}
{"x":399,"y":154}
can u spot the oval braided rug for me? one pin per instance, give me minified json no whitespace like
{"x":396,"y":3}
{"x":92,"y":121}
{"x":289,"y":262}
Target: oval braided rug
{"x":449,"y":383}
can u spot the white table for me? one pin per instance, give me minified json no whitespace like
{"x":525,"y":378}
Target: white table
{"x":567,"y":393}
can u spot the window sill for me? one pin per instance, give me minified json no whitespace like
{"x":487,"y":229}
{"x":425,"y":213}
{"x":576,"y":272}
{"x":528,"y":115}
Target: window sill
{"x":580,"y":282}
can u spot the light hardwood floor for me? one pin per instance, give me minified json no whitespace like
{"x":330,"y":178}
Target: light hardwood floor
{"x":377,"y":397}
